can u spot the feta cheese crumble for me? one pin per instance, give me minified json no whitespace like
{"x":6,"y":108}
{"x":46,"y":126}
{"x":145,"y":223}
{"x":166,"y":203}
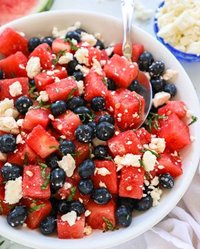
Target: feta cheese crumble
{"x":33,"y":67}
{"x":13,"y":191}
{"x":102,"y":171}
{"x":67,"y":164}
{"x":127,"y":160}
{"x":66,"y":58}
{"x":90,"y":39}
{"x":82,"y":56}
{"x":8,"y":124}
{"x":7,"y":108}
{"x":161,"y":98}
{"x":70,"y":218}
{"x":43,"y":96}
{"x":156,"y":195}
{"x":15,"y":89}
{"x":81,"y":87}
{"x":149,"y":161}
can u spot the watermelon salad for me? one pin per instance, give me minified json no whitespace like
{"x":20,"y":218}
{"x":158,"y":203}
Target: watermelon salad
{"x":71,"y":160}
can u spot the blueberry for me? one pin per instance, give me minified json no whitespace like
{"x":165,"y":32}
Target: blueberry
{"x":137,"y":87}
{"x":78,"y":75}
{"x":166,"y":181}
{"x":156,"y":69}
{"x":78,"y":207}
{"x":85,"y":186}
{"x":52,"y":161}
{"x":99,"y":44}
{"x":54,"y":204}
{"x":75,"y":102}
{"x":106,"y":118}
{"x":171,"y":89}
{"x":57,"y":178}
{"x":67,"y":147}
{"x":145,"y":61}
{"x":58,"y":108}
{"x":31,"y":82}
{"x":101,"y":196}
{"x":23,"y":104}
{"x":17,"y":216}
{"x":86,"y":168}
{"x":93,"y":125}
{"x":123,"y":216}
{"x":73,"y":35}
{"x":80,"y":30}
{"x":2,"y":74}
{"x":7,"y":143}
{"x":11,"y":171}
{"x":144,"y":203}
{"x":111,"y":85}
{"x":48,"y":225}
{"x":157,"y":85}
{"x":84,"y":133}
{"x":84,"y":113}
{"x":71,"y":66}
{"x":105,"y":131}
{"x":101,"y":152}
{"x":127,"y":202}
{"x":64,"y":206}
{"x":98,"y":104}
{"x":33,"y":43}
{"x":48,"y":39}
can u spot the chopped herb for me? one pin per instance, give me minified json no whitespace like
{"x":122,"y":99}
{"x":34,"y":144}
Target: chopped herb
{"x":36,"y":208}
{"x":90,"y":151}
{"x":86,"y":116}
{"x":76,"y":154}
{"x":73,"y":46}
{"x":152,"y":152}
{"x":12,"y":75}
{"x":59,"y":54}
{"x":72,"y":194}
{"x":32,"y":92}
{"x":25,"y":158}
{"x":57,"y":90}
{"x":152,"y":120}
{"x":141,"y":163}
{"x":43,"y":170}
{"x":53,"y":147}
{"x":43,"y":104}
{"x":194,"y":119}
{"x":71,"y":93}
{"x":45,"y":184}
{"x":1,"y":208}
{"x":2,"y":242}
{"x":109,"y":225}
{"x":104,"y":81}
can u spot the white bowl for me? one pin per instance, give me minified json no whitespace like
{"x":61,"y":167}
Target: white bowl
{"x":111,"y":29}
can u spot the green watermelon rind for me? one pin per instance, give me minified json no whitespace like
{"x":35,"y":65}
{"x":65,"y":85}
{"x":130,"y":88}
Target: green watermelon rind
{"x":45,"y":5}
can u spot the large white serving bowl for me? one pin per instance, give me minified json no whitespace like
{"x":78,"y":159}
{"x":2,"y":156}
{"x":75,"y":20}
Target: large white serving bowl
{"x":111,"y":30}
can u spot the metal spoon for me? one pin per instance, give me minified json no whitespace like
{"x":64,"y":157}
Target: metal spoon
{"x":127,"y":7}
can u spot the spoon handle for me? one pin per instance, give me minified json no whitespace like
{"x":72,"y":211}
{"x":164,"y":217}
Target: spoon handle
{"x":127,"y":7}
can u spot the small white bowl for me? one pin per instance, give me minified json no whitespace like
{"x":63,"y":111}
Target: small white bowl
{"x":111,"y":30}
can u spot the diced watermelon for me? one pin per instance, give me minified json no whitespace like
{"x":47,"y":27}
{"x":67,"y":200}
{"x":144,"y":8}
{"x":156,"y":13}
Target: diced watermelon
{"x":4,"y":207}
{"x":43,"y":51}
{"x":110,"y":179}
{"x":5,"y":85}
{"x":175,"y":132}
{"x":36,"y":117}
{"x":99,"y":213}
{"x":131,"y":182}
{"x":14,"y":65}
{"x":94,"y":86}
{"x":62,"y":89}
{"x":37,"y":211}
{"x":66,"y":124}
{"x":121,"y":70}
{"x":93,"y":53}
{"x":11,"y":42}
{"x":65,"y":231}
{"x":23,"y":155}
{"x":137,"y":50}
{"x":124,"y":143}
{"x":82,"y":152}
{"x":35,"y":182}
{"x":143,"y":135}
{"x":46,"y":78}
{"x":176,"y":106}
{"x":59,"y":45}
{"x":42,"y":142}
{"x":104,"y":55}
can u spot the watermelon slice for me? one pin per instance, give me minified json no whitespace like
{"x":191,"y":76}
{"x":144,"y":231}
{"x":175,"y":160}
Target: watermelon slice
{"x":11,"y":10}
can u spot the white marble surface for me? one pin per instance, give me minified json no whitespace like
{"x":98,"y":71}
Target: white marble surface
{"x":112,"y":7}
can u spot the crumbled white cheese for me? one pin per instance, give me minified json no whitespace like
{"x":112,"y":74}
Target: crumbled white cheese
{"x":102,"y":171}
{"x":102,"y":185}
{"x":33,"y":67}
{"x":7,"y":108}
{"x":96,"y":142}
{"x":43,"y":96}
{"x":20,"y":122}
{"x":81,"y":87}
{"x":97,"y":66}
{"x":13,"y":191}
{"x":70,"y":218}
{"x":82,"y":55}
{"x":58,"y":33}
{"x":170,"y":75}
{"x":8,"y":124}
{"x":19,"y":139}
{"x":66,"y":58}
{"x":15,"y":89}
{"x":127,"y":160}
{"x":149,"y":161}
{"x":87,"y":230}
{"x":156,"y":195}
{"x":83,"y":69}
{"x":109,"y":50}
{"x":87,"y":213}
{"x":67,"y":185}
{"x":67,"y":164}
{"x":155,"y":181}
{"x":90,"y":39}
{"x":29,"y":173}
{"x":161,"y":98}
{"x":3,"y":157}
{"x":157,"y":144}
{"x":50,"y":116}
{"x":141,"y":12}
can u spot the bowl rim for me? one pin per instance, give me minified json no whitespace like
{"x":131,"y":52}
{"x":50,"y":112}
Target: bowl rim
{"x":125,"y":234}
{"x":189,"y":57}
